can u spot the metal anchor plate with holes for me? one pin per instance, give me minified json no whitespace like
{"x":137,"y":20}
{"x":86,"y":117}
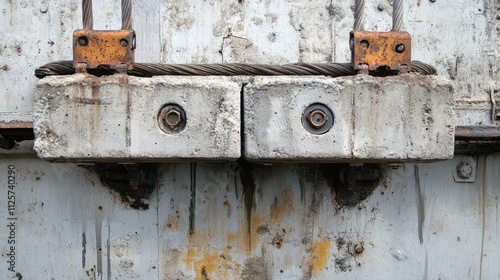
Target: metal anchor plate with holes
{"x":407,"y":118}
{"x":94,"y":48}
{"x":114,"y":48}
{"x":379,"y":50}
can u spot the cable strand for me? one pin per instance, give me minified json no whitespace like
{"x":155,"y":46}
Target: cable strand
{"x":225,"y":69}
{"x":397,"y":16}
{"x":359,"y":15}
{"x":126,"y":14}
{"x":88,"y":18}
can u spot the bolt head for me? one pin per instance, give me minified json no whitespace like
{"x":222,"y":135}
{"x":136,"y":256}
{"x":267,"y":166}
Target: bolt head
{"x":464,"y":170}
{"x":173,"y":118}
{"x":317,"y":118}
{"x":358,"y":248}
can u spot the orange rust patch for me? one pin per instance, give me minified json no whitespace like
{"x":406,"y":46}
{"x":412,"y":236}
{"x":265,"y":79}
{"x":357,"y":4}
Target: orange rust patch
{"x":212,"y":265}
{"x":254,"y":237}
{"x":376,"y":49}
{"x":283,"y":205}
{"x":108,"y":47}
{"x":319,"y":256}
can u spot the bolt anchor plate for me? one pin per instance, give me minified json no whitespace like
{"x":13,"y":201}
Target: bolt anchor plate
{"x":381,"y":50}
{"x":115,"y":48}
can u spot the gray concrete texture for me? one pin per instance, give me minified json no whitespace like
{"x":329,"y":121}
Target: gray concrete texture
{"x":395,"y":119}
{"x":84,"y":118}
{"x":90,"y":119}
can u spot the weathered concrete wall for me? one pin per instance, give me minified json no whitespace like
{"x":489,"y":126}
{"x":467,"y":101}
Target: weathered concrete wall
{"x":185,"y":31}
{"x":255,"y":222}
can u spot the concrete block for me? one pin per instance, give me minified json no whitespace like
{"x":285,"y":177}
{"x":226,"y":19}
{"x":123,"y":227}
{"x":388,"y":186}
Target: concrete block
{"x":115,"y":118}
{"x":273,"y":127}
{"x":389,"y":119}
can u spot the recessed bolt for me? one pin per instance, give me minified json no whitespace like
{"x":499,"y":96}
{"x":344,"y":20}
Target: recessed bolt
{"x":317,"y":118}
{"x":123,"y":43}
{"x":173,"y":118}
{"x":400,"y":48}
{"x":358,"y":248}
{"x":464,"y":170}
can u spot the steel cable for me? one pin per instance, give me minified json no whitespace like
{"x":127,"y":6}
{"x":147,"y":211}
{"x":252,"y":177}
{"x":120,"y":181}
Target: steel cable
{"x":88,"y":18}
{"x":227,"y":69}
{"x":397,"y":15}
{"x":126,"y":14}
{"x":359,"y":15}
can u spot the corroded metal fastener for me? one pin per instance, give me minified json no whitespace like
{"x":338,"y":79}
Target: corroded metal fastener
{"x":317,"y":118}
{"x":173,"y":118}
{"x":358,"y":248}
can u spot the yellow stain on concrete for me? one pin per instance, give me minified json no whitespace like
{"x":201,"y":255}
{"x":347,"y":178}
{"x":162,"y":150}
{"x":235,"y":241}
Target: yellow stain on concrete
{"x":284,"y":205}
{"x":319,"y":256}
{"x":211,"y":264}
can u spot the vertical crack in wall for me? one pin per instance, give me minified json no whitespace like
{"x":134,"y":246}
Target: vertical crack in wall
{"x":192,"y":201}
{"x":481,"y":167}
{"x":420,"y":205}
{"x":84,"y":249}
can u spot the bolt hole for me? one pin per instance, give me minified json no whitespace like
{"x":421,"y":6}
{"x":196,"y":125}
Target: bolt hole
{"x":364,"y":44}
{"x":83,"y":41}
{"x":123,"y":42}
{"x":400,"y":48}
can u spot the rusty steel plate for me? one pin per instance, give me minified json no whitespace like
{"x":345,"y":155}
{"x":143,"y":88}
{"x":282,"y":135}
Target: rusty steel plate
{"x":378,"y":50}
{"x":109,"y":47}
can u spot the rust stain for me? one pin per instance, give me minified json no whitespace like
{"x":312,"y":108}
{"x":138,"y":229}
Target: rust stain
{"x":381,"y":49}
{"x":103,"y":48}
{"x":248,"y":182}
{"x":282,"y":206}
{"x":319,"y":256}
{"x":16,"y":124}
{"x":172,"y":223}
{"x":211,"y":264}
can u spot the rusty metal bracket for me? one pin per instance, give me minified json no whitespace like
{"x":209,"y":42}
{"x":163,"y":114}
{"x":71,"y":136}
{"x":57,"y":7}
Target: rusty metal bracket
{"x":381,"y":52}
{"x":113,"y":48}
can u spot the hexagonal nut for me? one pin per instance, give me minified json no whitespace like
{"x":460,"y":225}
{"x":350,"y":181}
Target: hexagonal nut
{"x":173,"y":118}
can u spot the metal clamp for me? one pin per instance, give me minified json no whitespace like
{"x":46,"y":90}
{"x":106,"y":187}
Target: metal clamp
{"x":382,"y":52}
{"x":113,"y":48}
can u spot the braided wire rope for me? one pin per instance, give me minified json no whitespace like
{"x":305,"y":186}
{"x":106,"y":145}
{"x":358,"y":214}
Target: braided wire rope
{"x":359,"y":15}
{"x":126,"y":14}
{"x":88,"y":18}
{"x":397,"y":16}
{"x":226,"y":69}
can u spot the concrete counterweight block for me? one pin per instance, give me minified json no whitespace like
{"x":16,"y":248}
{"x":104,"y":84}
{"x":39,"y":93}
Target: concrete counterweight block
{"x":119,"y":118}
{"x":375,"y":119}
